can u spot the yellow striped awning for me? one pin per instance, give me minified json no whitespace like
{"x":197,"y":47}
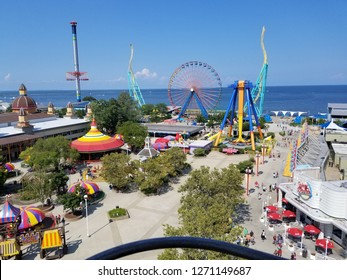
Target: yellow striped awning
{"x":51,"y":239}
{"x":9,"y":248}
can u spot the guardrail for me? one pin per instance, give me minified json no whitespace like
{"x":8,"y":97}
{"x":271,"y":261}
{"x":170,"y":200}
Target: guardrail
{"x":183,"y":242}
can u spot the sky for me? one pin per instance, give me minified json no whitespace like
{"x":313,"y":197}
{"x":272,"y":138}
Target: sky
{"x":306,"y":41}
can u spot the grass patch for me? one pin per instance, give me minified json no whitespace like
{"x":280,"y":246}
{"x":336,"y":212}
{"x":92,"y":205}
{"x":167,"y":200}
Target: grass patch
{"x":117,"y":212}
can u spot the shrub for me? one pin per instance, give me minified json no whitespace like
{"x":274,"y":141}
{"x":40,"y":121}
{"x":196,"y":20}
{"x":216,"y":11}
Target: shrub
{"x":272,"y":134}
{"x":199,"y":152}
{"x":243,"y":165}
{"x":117,"y":212}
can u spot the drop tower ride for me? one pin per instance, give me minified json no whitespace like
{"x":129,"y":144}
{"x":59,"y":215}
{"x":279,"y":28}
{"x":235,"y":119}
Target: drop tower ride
{"x":76,"y":75}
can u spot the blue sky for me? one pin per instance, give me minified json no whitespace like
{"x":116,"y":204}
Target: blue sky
{"x":306,"y":41}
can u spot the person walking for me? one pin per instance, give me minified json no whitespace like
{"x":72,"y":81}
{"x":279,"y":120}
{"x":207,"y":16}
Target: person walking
{"x":263,"y":235}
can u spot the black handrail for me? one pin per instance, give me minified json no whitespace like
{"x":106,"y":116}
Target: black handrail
{"x":183,"y":242}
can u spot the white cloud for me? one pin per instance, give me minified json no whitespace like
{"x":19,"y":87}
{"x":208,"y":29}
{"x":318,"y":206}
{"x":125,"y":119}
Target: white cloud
{"x":145,"y":73}
{"x":120,"y":79}
{"x":7,"y":77}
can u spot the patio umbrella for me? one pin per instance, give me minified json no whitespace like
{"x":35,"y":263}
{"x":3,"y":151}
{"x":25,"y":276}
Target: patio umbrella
{"x":288,"y":214}
{"x":311,"y":229}
{"x":162,"y":140}
{"x":274,"y":216}
{"x":271,"y":208}
{"x":30,"y":216}
{"x":159,"y":146}
{"x":90,"y":187}
{"x":294,"y":232}
{"x":325,"y":243}
{"x":9,"y":166}
{"x":9,"y":213}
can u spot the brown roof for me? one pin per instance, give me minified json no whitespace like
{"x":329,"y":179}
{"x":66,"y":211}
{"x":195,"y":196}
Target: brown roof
{"x":25,"y":102}
{"x":13,"y":117}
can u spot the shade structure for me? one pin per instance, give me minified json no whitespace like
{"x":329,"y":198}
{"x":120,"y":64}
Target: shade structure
{"x":160,"y":146}
{"x":118,"y":136}
{"x":288,"y":214}
{"x":311,"y":229}
{"x":294,"y":232}
{"x":90,"y":187}
{"x":170,"y":137}
{"x":325,"y":243}
{"x":30,"y":216}
{"x":162,"y":140}
{"x":271,"y":208}
{"x":274,"y":216}
{"x":9,"y":166}
{"x":9,"y":213}
{"x":95,"y":141}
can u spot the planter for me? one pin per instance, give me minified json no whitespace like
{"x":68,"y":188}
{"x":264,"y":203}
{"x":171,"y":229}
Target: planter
{"x":123,"y":217}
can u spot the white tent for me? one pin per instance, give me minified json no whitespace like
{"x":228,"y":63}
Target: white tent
{"x":334,"y":126}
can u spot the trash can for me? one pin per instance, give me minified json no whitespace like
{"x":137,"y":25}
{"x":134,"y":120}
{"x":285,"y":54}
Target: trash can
{"x":304,"y":253}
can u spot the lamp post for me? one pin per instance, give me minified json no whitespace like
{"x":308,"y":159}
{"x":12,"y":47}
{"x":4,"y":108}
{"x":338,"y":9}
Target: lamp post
{"x":263,"y":152}
{"x":326,"y":247}
{"x":257,"y":157}
{"x":86,"y":201}
{"x":248,"y":172}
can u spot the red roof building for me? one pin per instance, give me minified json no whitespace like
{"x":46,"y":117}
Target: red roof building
{"x":95,"y":142}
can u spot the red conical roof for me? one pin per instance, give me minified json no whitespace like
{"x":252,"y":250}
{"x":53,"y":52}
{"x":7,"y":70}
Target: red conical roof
{"x":95,"y":141}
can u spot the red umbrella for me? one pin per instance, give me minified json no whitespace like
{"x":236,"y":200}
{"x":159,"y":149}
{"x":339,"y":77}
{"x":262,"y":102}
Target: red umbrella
{"x":311,"y":229}
{"x":288,"y":214}
{"x":159,"y":146}
{"x":274,"y":216}
{"x":271,"y":208}
{"x":162,"y":140}
{"x":294,"y":232}
{"x":324,"y":243}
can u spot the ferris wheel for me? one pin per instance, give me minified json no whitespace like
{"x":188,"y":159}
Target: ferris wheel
{"x":195,"y":85}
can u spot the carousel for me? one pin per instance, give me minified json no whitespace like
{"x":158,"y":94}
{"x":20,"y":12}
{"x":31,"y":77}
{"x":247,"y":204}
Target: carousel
{"x":95,"y":144}
{"x":24,"y":226}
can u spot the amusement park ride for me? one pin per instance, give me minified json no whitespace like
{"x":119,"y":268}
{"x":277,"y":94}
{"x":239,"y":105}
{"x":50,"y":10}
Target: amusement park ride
{"x":134,"y":89}
{"x":76,"y":75}
{"x":196,"y":85}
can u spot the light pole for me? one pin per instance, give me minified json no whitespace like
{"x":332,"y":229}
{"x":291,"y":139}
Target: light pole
{"x":257,"y":157}
{"x":86,"y":201}
{"x":326,"y":247}
{"x":263,"y":152}
{"x":248,"y":172}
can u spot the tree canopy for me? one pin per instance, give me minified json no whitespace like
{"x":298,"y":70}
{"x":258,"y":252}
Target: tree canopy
{"x":117,"y":169}
{"x":110,"y":114}
{"x":134,"y":134}
{"x":50,"y":154}
{"x":209,"y":200}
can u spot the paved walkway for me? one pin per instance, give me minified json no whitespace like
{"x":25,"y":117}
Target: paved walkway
{"x":149,"y":213}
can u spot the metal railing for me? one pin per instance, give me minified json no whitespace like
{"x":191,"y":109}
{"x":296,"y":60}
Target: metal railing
{"x":183,"y":242}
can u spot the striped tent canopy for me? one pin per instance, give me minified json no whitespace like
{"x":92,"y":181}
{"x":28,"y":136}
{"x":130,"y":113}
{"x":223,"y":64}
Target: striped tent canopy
{"x":95,"y":141}
{"x":9,"y":213}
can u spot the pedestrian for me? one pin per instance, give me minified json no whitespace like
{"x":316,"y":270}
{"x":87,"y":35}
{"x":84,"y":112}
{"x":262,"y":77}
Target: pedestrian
{"x":274,"y":239}
{"x":264,"y":188}
{"x":292,"y":256}
{"x":259,"y":195}
{"x":59,"y":219}
{"x":251,"y":233}
{"x":270,"y":188}
{"x":110,"y":187}
{"x":63,"y":221}
{"x":263,"y":235}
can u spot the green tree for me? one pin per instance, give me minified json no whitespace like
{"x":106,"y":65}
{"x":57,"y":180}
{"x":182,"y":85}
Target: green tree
{"x":128,"y":109}
{"x":73,"y":200}
{"x":58,"y":181}
{"x":150,"y":176}
{"x":147,"y":109}
{"x":38,"y":185}
{"x":207,"y":206}
{"x":50,"y":154}
{"x":117,"y":170}
{"x":134,"y":134}
{"x":176,"y":158}
{"x":106,"y":114}
{"x":89,"y":98}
